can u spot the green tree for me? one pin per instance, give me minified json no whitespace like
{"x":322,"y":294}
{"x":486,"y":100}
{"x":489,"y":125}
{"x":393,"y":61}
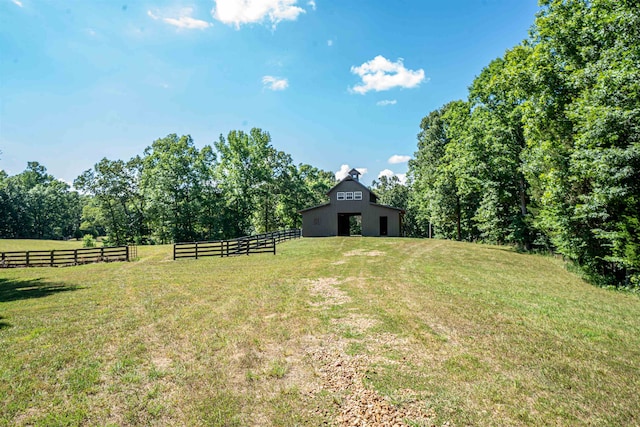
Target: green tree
{"x":246,"y":177}
{"x":174,"y":177}
{"x":392,"y":192}
{"x":115,"y":185}
{"x":444,"y":189}
{"x":33,"y":204}
{"x":581,"y":121}
{"x":497,"y":147}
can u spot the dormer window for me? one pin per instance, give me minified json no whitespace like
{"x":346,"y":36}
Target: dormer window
{"x":349,"y":195}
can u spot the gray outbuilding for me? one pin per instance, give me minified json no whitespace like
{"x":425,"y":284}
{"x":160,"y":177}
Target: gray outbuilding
{"x":347,"y":199}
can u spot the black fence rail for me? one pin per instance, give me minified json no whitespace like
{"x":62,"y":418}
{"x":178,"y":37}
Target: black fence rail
{"x":259,"y":243}
{"x":63,"y":257}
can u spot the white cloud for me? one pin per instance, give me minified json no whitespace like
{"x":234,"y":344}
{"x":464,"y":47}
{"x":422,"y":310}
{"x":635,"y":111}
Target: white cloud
{"x":329,"y":42}
{"x":19,"y":3}
{"x":183,"y":21}
{"x":275,"y":83}
{"x":69,"y":183}
{"x":188,"y":23}
{"x":402,"y":177}
{"x":397,"y":158}
{"x":381,"y":74}
{"x":238,"y":12}
{"x":386,"y":102}
{"x":386,"y":172}
{"x":344,"y":172}
{"x":312,"y":3}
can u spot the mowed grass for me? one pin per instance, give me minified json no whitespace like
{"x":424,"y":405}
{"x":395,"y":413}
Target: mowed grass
{"x":14,"y":245}
{"x":478,"y":335}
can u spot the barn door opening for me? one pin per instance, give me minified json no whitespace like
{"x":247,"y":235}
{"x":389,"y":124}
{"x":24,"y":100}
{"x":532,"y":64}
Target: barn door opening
{"x":343,"y":225}
{"x":349,"y":224}
{"x":355,"y":225}
{"x":383,"y":225}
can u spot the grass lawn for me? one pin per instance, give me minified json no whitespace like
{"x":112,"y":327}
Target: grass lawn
{"x":420,"y":332}
{"x":11,"y":245}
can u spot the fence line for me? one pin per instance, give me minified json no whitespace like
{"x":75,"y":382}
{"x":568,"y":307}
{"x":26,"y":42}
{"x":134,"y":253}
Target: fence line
{"x":63,"y":257}
{"x":259,"y":243}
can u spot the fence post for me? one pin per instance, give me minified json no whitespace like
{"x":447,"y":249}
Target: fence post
{"x":75,"y":256}
{"x":174,"y":251}
{"x":51,"y":258}
{"x":196,"y":250}
{"x":273,"y":242}
{"x":27,"y":258}
{"x":127,"y":254}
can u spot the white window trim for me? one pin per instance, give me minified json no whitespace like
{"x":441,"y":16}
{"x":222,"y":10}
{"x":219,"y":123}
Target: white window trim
{"x":341,"y":195}
{"x":357,"y":195}
{"x":349,"y":195}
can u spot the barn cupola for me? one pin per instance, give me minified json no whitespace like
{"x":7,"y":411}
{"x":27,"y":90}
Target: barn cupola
{"x":354,"y":174}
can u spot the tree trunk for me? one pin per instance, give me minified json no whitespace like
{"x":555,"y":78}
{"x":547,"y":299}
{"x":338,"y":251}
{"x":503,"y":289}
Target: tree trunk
{"x":458,"y":219}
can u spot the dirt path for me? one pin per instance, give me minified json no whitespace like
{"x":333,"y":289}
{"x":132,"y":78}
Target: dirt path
{"x":343,"y":375}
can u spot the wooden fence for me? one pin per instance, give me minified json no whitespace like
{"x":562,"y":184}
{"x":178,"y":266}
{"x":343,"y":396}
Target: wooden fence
{"x":63,"y":257}
{"x":259,"y":243}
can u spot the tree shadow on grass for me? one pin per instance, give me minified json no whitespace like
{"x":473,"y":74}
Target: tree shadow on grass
{"x":3,"y":324}
{"x":14,"y":290}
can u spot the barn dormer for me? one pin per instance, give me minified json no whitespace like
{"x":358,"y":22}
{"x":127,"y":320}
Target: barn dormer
{"x":355,"y":175}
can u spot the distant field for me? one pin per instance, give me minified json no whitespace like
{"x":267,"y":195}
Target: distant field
{"x":8,"y":245}
{"x":328,"y":331}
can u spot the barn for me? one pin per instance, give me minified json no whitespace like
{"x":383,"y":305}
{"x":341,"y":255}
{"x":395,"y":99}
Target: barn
{"x":349,"y":200}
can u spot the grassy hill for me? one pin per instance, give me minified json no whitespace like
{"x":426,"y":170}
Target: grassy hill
{"x":420,"y":332}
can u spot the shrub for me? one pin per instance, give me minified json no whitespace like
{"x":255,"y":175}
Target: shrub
{"x":88,"y":241}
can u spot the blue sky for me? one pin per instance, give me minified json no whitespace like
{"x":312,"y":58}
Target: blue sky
{"x":340,"y":82}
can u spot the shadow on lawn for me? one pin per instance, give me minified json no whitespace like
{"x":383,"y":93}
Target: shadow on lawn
{"x":3,"y":324}
{"x":14,"y":290}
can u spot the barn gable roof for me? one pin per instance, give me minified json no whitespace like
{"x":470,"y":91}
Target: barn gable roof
{"x":389,"y":207}
{"x":314,"y":207}
{"x":349,"y":178}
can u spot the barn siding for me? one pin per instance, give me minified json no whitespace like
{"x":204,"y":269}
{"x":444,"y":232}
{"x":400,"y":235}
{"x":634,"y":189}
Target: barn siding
{"x":322,"y":221}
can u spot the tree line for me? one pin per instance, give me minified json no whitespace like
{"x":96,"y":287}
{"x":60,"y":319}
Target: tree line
{"x":545,"y":151}
{"x":544,"y":154}
{"x":35,"y":205}
{"x":172,"y":192}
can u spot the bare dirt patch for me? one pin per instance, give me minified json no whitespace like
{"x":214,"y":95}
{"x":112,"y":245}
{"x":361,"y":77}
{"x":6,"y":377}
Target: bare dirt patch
{"x":326,"y":289}
{"x":356,"y":322}
{"x":343,"y":376}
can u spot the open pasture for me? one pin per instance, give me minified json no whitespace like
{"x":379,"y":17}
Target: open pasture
{"x":420,"y":332}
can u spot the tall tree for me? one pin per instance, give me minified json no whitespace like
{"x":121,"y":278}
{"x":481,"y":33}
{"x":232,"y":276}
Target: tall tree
{"x":582,"y":126}
{"x":244,"y":174}
{"x":497,"y":141}
{"x":115,"y":184}
{"x":445,"y":189}
{"x":33,"y":204}
{"x":174,"y":175}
